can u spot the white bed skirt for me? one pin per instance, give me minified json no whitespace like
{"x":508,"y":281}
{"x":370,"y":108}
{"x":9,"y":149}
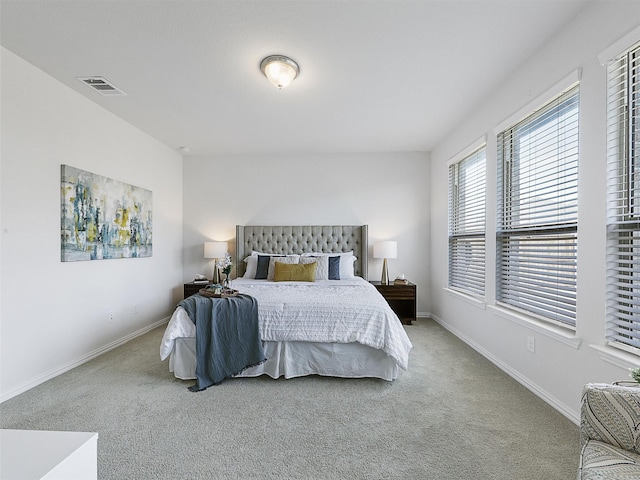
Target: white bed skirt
{"x":297,"y":359}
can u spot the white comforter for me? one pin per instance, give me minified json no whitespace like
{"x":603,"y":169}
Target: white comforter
{"x":330,"y":311}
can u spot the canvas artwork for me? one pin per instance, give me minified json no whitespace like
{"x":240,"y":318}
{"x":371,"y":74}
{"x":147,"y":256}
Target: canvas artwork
{"x":102,"y":218}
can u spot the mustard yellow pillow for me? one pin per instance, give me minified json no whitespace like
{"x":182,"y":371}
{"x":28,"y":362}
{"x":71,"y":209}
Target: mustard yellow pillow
{"x":295,"y":272}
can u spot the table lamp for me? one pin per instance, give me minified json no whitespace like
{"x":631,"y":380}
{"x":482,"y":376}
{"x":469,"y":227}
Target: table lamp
{"x":384,"y":250}
{"x":215,"y":250}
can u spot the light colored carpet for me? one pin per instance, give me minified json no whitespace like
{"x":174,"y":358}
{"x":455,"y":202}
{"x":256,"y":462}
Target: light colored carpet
{"x":451,"y":416}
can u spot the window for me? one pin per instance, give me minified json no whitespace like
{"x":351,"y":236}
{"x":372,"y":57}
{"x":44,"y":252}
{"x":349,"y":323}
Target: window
{"x":467,"y":223}
{"x":623,"y":202}
{"x":537,"y":224}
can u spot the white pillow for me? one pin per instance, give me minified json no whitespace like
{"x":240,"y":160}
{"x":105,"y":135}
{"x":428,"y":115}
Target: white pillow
{"x":251,"y":267}
{"x":346,"y":267}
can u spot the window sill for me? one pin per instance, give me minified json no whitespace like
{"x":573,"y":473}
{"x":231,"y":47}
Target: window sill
{"x":556,"y":333}
{"x":617,"y":357}
{"x":471,"y":299}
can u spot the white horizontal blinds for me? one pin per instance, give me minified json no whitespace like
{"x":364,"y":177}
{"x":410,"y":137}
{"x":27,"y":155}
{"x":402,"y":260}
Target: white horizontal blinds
{"x":538,"y":211}
{"x":467,"y":187}
{"x":623,"y":209}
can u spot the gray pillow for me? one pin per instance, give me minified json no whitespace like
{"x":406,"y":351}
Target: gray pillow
{"x":262,"y":269}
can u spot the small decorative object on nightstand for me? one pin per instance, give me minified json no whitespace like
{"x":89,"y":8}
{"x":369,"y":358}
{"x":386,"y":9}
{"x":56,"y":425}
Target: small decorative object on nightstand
{"x":400,"y":280}
{"x":401,"y":298}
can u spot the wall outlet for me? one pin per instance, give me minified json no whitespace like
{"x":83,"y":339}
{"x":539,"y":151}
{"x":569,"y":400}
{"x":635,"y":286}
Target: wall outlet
{"x":531,"y":344}
{"x":110,"y":316}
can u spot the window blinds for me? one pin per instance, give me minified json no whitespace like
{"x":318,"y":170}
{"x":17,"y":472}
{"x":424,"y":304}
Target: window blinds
{"x":538,"y":211}
{"x":467,"y":187}
{"x":623,"y":202}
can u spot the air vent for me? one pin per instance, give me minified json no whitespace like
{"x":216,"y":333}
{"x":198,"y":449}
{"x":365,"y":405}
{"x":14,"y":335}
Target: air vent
{"x":101,"y":85}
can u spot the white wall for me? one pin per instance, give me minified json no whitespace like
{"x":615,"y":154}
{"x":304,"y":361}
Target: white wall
{"x":54,"y":314}
{"x":562,"y":362}
{"x":389,"y":192}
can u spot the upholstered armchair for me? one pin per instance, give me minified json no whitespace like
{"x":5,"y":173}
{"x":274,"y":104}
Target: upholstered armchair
{"x":610,"y":432}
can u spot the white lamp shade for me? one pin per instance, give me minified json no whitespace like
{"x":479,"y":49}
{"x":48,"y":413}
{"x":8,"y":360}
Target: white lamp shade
{"x":386,"y":249}
{"x":215,"y":249}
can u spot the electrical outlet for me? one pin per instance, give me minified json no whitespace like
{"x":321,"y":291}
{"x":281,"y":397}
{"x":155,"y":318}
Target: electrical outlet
{"x":110,"y":316}
{"x":531,"y":344}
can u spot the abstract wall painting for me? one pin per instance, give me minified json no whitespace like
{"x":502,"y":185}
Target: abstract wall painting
{"x":102,"y":218}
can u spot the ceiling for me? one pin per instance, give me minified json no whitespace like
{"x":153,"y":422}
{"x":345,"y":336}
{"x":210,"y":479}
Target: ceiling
{"x":375,"y":76}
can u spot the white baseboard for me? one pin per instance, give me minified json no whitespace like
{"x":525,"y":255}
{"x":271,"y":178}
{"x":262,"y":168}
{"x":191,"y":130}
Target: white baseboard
{"x":79,"y":361}
{"x":568,"y":412}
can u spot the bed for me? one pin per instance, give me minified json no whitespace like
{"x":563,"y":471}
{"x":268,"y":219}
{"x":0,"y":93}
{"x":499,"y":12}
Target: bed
{"x":332,"y":327}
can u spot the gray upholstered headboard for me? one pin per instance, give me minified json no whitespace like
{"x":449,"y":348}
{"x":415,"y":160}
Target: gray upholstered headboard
{"x":303,"y":239}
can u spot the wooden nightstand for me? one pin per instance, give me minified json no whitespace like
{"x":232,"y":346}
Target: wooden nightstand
{"x":192,"y":288}
{"x":401,"y":299}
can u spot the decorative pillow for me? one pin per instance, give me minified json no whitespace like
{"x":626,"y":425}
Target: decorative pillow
{"x":322,"y":269}
{"x":262,"y":267}
{"x":334,"y":268}
{"x":289,"y":260}
{"x":295,"y":272}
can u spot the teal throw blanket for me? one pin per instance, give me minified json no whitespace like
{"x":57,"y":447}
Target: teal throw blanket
{"x":227,"y":337}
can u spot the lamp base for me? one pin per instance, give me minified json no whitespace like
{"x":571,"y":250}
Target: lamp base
{"x":385,"y":273}
{"x":216,"y":274}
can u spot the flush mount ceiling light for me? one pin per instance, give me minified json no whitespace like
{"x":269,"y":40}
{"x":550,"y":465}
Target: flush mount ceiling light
{"x":280,"y":70}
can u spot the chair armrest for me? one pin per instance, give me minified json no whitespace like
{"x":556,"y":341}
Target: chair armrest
{"x":611,"y":414}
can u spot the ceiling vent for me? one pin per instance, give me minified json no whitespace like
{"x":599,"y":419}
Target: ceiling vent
{"x":101,"y":85}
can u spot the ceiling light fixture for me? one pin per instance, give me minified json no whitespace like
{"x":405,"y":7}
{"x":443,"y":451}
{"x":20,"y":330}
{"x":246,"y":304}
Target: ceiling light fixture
{"x":280,"y":70}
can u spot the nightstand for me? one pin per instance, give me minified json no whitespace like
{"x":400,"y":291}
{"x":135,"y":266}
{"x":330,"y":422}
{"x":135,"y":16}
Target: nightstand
{"x":193,"y":288}
{"x":401,"y":299}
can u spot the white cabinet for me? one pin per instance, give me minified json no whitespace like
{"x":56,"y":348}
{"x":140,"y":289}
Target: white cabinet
{"x":43,"y":455}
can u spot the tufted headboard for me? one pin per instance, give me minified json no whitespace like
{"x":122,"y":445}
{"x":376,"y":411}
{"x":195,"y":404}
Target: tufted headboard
{"x":303,"y":239}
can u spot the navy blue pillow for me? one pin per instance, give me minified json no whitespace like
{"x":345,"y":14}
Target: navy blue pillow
{"x":262,"y":270}
{"x":334,"y":268}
